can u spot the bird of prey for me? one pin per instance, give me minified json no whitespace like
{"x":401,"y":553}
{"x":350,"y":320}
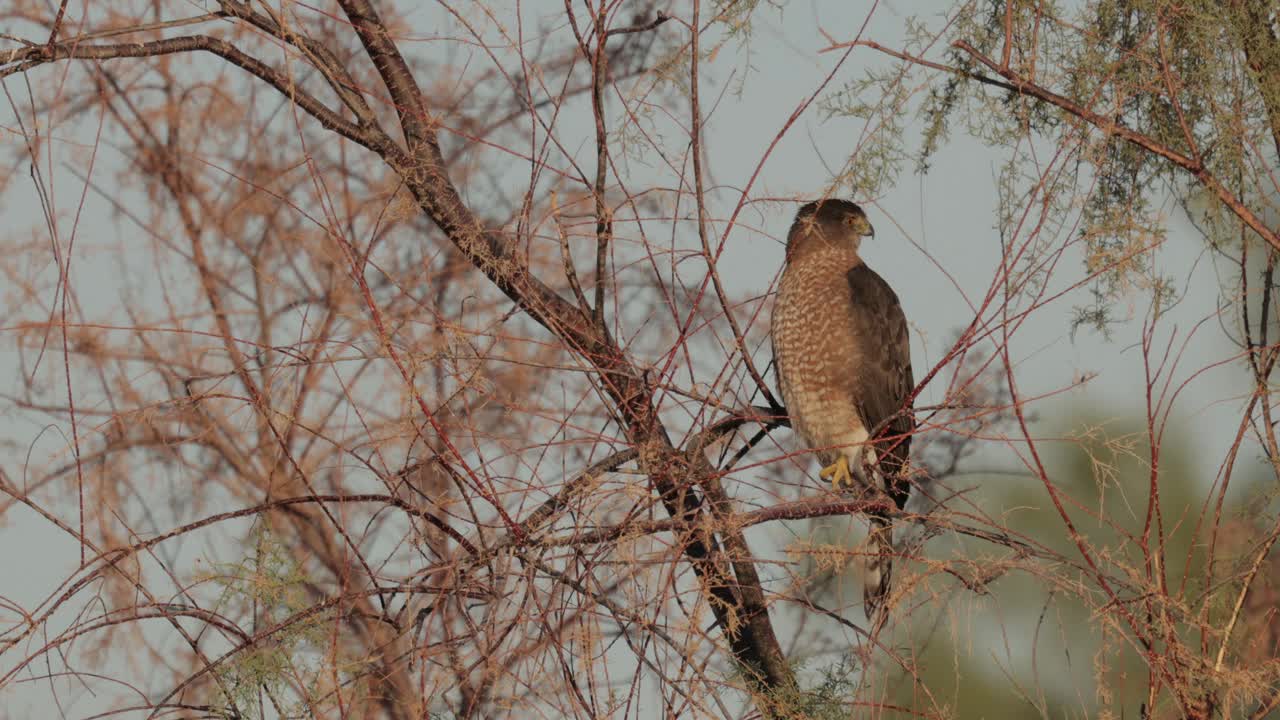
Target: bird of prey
{"x":843,"y":358}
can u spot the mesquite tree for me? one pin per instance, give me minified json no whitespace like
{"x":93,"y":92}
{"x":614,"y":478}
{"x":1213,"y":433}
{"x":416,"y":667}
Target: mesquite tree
{"x":382,"y":366}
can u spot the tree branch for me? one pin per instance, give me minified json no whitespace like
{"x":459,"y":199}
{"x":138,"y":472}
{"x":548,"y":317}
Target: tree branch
{"x":739,"y":602}
{"x":1146,"y":142}
{"x":23,"y":59}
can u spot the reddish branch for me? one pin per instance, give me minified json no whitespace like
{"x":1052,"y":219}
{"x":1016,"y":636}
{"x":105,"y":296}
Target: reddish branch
{"x":739,"y":600}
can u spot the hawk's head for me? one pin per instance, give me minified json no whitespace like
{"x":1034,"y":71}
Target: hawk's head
{"x":829,"y":222}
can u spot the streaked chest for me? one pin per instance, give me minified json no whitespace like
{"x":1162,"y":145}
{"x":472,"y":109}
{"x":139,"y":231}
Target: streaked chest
{"x":814,"y":347}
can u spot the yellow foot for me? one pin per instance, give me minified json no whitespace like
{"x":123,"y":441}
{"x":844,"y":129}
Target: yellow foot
{"x":837,"y":472}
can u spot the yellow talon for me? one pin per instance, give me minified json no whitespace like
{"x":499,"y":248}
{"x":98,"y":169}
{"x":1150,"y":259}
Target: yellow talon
{"x":838,"y":472}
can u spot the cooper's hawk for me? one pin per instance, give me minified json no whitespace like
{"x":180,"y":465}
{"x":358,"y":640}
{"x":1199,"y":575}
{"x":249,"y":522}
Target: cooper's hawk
{"x":843,"y":359}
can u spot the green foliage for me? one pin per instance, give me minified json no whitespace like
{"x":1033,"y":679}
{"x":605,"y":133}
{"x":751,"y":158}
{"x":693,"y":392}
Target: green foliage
{"x":878,"y":99}
{"x":269,"y":585}
{"x":1200,"y":78}
{"x":829,"y":698}
{"x":735,"y":15}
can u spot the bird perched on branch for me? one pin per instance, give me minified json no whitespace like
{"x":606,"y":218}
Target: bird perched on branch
{"x":843,"y":359}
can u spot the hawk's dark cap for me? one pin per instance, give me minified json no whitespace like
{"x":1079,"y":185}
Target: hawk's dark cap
{"x":831,"y":209}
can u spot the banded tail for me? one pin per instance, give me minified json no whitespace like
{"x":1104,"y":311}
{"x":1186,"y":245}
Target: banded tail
{"x":877,"y":565}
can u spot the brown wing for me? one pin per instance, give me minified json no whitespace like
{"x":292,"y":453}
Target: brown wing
{"x":883,"y":380}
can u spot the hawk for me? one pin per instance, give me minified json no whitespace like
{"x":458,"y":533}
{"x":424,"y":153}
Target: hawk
{"x":843,"y":358}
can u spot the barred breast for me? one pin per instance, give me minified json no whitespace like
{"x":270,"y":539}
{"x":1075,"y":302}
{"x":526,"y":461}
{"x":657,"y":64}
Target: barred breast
{"x":813,"y":345}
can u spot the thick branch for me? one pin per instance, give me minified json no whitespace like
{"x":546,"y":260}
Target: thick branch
{"x":395,"y":72}
{"x":739,"y":602}
{"x":321,"y":57}
{"x":24,"y":59}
